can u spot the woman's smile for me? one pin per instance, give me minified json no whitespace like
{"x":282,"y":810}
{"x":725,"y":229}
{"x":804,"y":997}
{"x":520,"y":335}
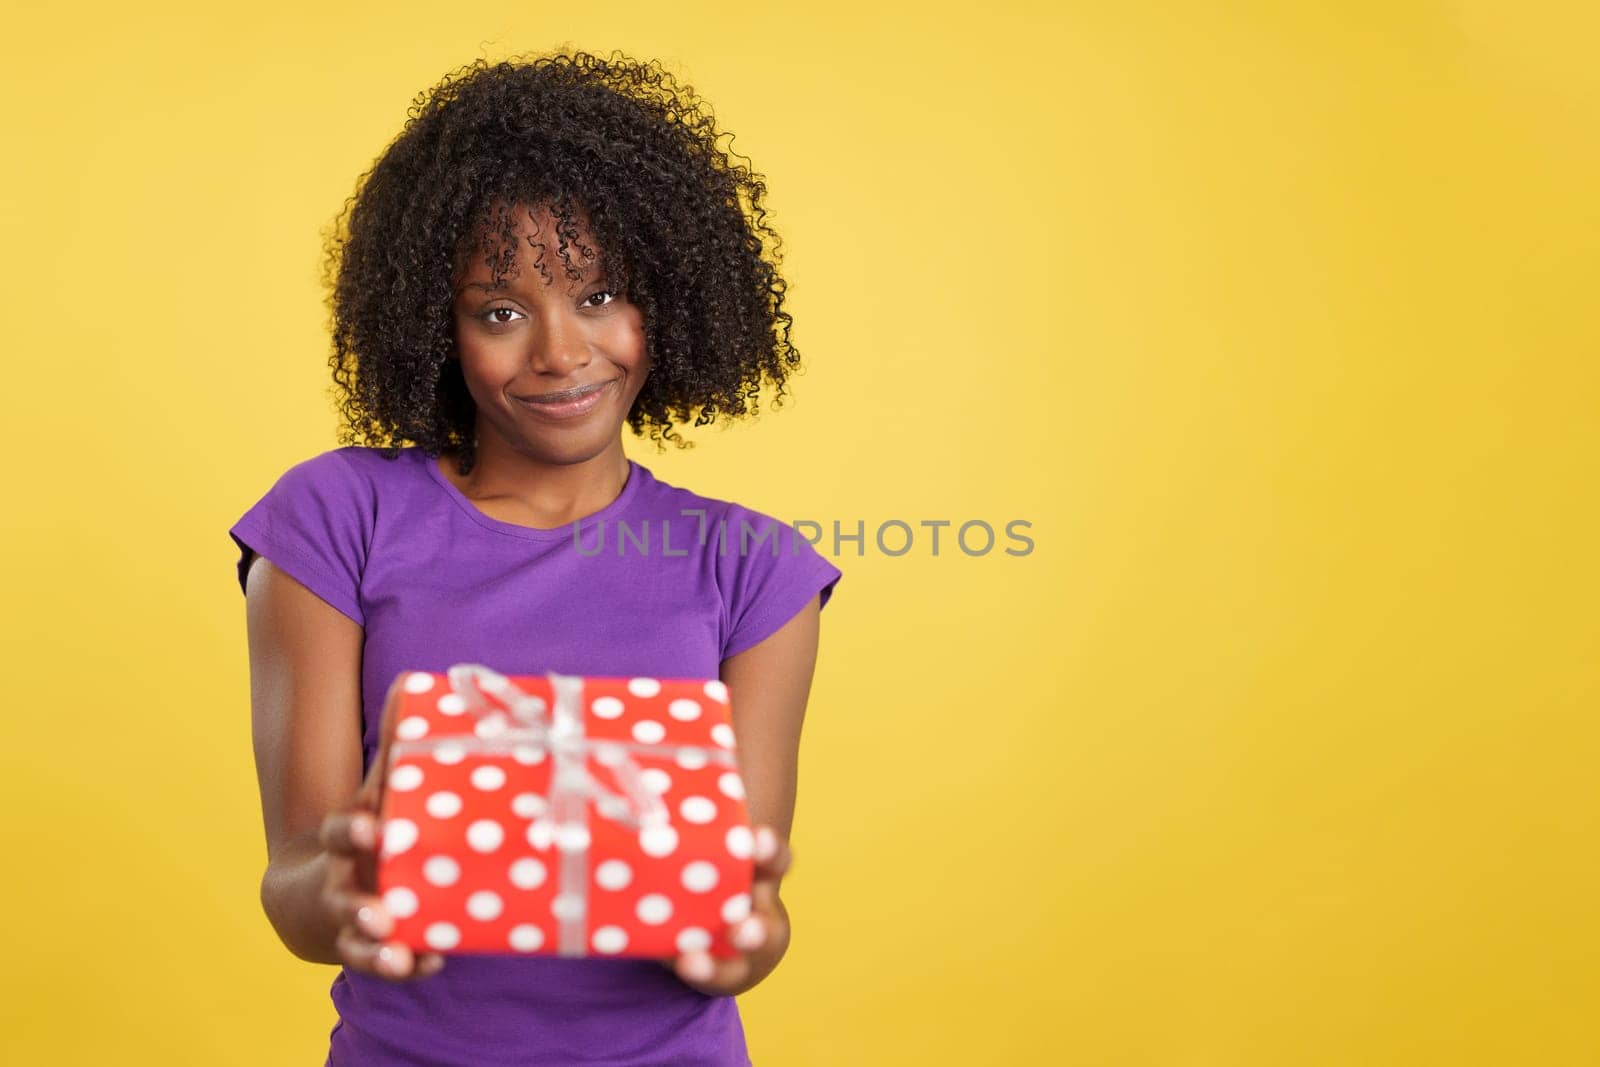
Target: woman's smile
{"x":567,"y":406}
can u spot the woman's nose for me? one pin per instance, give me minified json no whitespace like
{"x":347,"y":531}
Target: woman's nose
{"x":558,"y":347}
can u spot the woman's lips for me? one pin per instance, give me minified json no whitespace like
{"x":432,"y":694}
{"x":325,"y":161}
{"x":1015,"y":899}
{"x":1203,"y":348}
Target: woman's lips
{"x":567,"y":409}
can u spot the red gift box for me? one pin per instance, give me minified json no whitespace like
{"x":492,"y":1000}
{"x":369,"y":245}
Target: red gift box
{"x":562,"y":815}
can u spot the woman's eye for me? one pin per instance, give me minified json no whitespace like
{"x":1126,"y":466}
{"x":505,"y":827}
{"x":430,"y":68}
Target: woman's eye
{"x":505,"y":316}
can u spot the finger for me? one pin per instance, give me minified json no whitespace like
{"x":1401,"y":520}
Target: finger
{"x":693,"y":967}
{"x":750,"y":933}
{"x":764,"y":896}
{"x":769,"y":871}
{"x":340,"y":877}
{"x":348,"y":832}
{"x":773,"y":856}
{"x":385,"y":959}
{"x":705,"y":972}
{"x":362,"y":940}
{"x":371,"y":956}
{"x":365,"y":911}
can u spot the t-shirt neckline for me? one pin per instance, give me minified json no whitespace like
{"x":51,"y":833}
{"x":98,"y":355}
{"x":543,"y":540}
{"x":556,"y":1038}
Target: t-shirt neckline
{"x":630,"y":489}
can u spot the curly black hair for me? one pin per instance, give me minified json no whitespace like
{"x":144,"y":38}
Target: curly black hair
{"x":679,"y":221}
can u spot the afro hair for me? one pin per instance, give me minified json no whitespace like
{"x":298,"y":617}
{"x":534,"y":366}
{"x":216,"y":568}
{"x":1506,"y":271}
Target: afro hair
{"x":678,"y":220}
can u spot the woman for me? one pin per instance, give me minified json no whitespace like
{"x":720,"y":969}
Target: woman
{"x":549,"y":250}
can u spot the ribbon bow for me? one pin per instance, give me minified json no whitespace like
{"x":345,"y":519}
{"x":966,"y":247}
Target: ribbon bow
{"x":561,"y":735}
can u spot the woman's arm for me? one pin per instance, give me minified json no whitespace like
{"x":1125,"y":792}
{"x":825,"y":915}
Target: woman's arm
{"x":769,"y":685}
{"x":305,"y":699}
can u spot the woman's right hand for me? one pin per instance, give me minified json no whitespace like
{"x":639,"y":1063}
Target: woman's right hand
{"x":349,"y":836}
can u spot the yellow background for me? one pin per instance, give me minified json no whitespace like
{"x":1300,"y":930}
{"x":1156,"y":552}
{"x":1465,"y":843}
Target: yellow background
{"x":1275,"y":320}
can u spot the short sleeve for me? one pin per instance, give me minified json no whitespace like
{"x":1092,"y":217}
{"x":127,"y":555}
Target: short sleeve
{"x":767,"y":573}
{"x":315,"y":523}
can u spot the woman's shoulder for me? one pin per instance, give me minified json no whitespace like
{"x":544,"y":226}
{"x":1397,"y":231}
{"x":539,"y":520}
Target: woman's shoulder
{"x":369,"y":459}
{"x":672,"y":500}
{"x":764,"y":568}
{"x":365,"y":467}
{"x":739,"y":532}
{"x":341,"y":461}
{"x":347,"y":479}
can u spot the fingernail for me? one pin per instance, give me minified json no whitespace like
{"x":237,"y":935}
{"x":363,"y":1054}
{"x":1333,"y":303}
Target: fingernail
{"x":750,"y":934}
{"x":373,"y":920}
{"x":388,"y":958}
{"x":766,"y":844}
{"x":361,"y":831}
{"x":698,"y":965}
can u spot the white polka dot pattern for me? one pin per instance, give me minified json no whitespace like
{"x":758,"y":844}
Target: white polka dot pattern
{"x":398,"y":836}
{"x":488,"y":777}
{"x":697,"y":810}
{"x":700,"y":877}
{"x":613,"y":874}
{"x":527,"y":873}
{"x":441,"y":870}
{"x":610,"y":939}
{"x":658,"y":841}
{"x":405,"y":778}
{"x":485,"y":835}
{"x":649,"y":732}
{"x":443,"y":804}
{"x":411,"y":729}
{"x":443,"y":936}
{"x":654,"y":908}
{"x":401,"y":902}
{"x":484,"y":905}
{"x":525,"y":937}
{"x":740,"y":842}
{"x":528,"y":805}
{"x":472,"y":860}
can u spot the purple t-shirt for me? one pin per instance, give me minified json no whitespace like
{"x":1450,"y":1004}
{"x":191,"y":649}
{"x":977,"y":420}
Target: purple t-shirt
{"x":661,"y":582}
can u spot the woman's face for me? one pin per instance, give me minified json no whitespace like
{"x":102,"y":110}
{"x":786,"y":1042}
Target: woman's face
{"x":553,"y":365}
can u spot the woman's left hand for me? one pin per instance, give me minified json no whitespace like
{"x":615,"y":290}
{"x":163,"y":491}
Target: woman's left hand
{"x":762,"y":937}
